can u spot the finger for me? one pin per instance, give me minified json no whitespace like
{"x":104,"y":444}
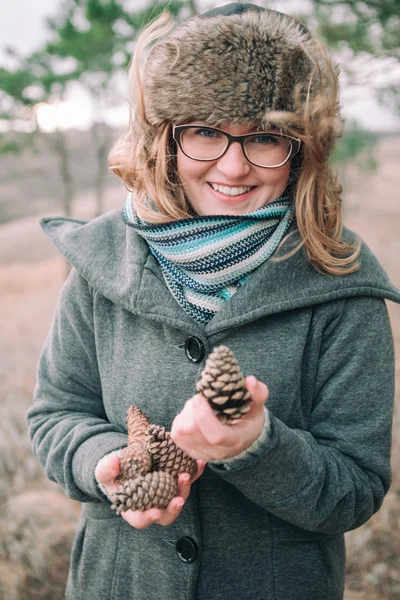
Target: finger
{"x":210,"y":427}
{"x":184,"y":483}
{"x":108,"y":469}
{"x":185,"y":432}
{"x":183,"y":490}
{"x":140,"y":519}
{"x":201,"y":465}
{"x":258,"y":390}
{"x":184,"y":423}
{"x":174,"y":508}
{"x":172,"y":512}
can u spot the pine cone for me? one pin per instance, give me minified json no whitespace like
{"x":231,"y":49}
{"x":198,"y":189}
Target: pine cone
{"x":138,"y":423}
{"x":150,"y":466}
{"x":166,"y":455}
{"x":134,"y":460}
{"x":222,"y":383}
{"x":153,"y":489}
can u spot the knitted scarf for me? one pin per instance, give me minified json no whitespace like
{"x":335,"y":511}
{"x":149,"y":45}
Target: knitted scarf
{"x":206,"y":259}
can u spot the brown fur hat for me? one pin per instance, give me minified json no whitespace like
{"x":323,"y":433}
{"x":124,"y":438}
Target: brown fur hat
{"x":235,"y":66}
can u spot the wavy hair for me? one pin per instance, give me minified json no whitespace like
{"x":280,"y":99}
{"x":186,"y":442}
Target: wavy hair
{"x":145,"y":158}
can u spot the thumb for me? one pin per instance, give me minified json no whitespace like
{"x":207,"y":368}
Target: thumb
{"x":258,"y":390}
{"x":107,"y":469}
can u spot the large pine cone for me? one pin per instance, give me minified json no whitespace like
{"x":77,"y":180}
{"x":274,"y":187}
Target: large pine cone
{"x":222,"y":383}
{"x":166,"y":455}
{"x":134,"y":460}
{"x":153,"y":489}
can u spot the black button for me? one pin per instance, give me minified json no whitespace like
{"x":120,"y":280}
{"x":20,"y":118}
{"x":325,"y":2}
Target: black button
{"x":186,"y":549}
{"x":194,"y":349}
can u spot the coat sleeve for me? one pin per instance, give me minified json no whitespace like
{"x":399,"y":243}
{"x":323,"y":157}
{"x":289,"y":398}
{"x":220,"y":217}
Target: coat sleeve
{"x":332,"y":477}
{"x":67,"y":422}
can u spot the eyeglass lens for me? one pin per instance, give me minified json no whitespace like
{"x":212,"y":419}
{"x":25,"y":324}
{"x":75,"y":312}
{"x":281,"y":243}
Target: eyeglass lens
{"x":261,"y":148}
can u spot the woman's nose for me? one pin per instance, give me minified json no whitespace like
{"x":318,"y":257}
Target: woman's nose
{"x":234,"y":163}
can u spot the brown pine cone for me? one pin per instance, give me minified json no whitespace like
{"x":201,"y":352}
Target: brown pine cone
{"x":166,"y":454}
{"x":137,"y":422}
{"x":222,"y":383}
{"x":153,"y":489}
{"x":134,"y":460}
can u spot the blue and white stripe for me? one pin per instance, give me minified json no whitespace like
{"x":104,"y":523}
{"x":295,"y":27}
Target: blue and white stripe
{"x":206,"y":259}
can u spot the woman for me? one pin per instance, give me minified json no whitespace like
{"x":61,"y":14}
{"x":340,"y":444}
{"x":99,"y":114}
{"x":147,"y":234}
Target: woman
{"x":231,"y":235}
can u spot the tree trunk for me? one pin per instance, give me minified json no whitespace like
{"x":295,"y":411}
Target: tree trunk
{"x":193,"y":7}
{"x":101,"y":143}
{"x":61,"y":148}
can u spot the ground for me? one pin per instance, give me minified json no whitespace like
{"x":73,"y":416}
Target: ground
{"x":37,"y":522}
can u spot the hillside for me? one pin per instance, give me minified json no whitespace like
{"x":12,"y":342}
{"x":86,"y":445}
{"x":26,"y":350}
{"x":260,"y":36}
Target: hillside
{"x":37,"y":522}
{"x":30,"y":183}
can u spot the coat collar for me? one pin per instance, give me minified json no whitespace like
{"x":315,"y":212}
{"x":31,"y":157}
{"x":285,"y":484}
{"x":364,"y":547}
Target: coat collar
{"x":116,"y":262}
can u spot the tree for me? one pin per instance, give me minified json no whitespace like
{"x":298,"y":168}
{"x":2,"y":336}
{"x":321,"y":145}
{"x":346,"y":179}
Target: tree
{"x":356,"y":147}
{"x":15,"y":110}
{"x":32,"y":82}
{"x":365,"y":36}
{"x":98,"y":35}
{"x":193,"y":7}
{"x":371,"y":26}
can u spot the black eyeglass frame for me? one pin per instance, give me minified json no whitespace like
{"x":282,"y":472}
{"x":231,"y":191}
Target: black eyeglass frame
{"x":295,"y":143}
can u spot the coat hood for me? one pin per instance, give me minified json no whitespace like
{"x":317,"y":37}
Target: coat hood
{"x":117,"y":262}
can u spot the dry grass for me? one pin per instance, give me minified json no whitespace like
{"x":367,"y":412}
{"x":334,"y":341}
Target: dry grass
{"x":38,"y":522}
{"x":373,"y":210}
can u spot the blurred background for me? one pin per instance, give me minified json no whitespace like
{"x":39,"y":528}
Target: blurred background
{"x":63,"y":102}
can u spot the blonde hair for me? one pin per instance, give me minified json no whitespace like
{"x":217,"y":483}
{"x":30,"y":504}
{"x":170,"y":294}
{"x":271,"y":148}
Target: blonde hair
{"x":145,"y":158}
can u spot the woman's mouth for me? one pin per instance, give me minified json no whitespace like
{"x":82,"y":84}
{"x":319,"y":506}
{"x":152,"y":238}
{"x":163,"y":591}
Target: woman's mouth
{"x":232,"y":191}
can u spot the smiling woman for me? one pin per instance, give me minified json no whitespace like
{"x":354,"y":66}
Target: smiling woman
{"x":234,"y":116}
{"x":302,"y":107}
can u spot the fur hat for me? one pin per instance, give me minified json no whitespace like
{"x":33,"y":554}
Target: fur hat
{"x":236,"y":63}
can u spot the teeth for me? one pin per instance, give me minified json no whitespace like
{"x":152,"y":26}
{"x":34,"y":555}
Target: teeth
{"x":230,"y":191}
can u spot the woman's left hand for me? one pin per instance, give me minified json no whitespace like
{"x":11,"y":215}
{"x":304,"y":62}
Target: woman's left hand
{"x":199,"y":433}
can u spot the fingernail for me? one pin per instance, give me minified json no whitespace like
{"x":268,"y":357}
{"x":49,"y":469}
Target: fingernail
{"x":179,"y":504}
{"x":253,"y":381}
{"x":185,"y":478}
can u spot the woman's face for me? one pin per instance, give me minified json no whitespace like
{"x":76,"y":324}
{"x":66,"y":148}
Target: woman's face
{"x":232,"y":170}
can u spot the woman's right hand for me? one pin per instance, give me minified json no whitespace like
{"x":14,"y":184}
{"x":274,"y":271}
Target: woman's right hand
{"x":108,"y":469}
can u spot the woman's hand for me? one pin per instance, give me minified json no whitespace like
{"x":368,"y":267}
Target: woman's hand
{"x":107,"y":471}
{"x":199,"y":433}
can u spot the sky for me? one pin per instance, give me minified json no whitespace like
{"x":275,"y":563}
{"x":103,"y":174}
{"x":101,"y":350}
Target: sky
{"x":22,"y":26}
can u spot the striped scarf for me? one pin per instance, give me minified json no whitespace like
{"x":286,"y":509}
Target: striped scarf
{"x":206,"y":259}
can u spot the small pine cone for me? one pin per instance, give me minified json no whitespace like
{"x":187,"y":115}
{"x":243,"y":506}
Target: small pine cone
{"x":154,"y":489}
{"x":166,"y":454}
{"x":222,"y":383}
{"x":137,"y":422}
{"x":134,"y":460}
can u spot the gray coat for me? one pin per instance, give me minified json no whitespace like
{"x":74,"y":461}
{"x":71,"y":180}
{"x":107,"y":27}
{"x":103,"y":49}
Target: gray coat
{"x":269,"y":531}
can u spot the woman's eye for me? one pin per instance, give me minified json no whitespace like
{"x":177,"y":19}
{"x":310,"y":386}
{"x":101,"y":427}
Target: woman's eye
{"x":264,"y":139}
{"x":206,"y":133}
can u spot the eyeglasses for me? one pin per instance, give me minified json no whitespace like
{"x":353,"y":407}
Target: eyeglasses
{"x":263,"y":148}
